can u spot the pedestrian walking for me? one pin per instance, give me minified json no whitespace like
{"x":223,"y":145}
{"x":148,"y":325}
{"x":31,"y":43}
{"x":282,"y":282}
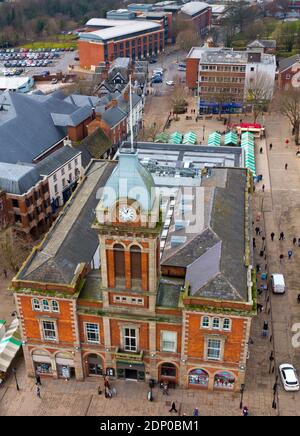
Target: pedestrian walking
{"x":254,"y":245}
{"x":257,"y":267}
{"x":281,"y":258}
{"x":38,"y":379}
{"x":261,"y":150}
{"x":165,"y":388}
{"x":272,"y":236}
{"x":290,"y":253}
{"x":259,"y":307}
{"x":99,"y":390}
{"x":286,"y":166}
{"x":173,"y":407}
{"x":245,"y":411}
{"x":263,"y":188}
{"x":298,"y":242}
{"x":265,"y":329}
{"x":38,"y":391}
{"x":196,"y":411}
{"x":281,"y":236}
{"x":270,"y":146}
{"x":5,"y":273}
{"x":294,"y":241}
{"x":257,"y":230}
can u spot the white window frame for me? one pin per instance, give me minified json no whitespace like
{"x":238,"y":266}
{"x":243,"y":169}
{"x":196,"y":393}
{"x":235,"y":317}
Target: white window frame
{"x":36,"y":307}
{"x":212,"y":323}
{"x":165,"y":343}
{"x":226,"y":329}
{"x":57,"y":304}
{"x":88,"y":331}
{"x":202,"y":322}
{"x":45,"y":303}
{"x":209,"y":340}
{"x":49,"y":339}
{"x":130,"y":348}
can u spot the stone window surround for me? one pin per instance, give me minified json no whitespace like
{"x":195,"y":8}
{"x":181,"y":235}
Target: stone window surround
{"x":85,"y":333}
{"x":221,"y":325}
{"x":41,"y":308}
{"x":161,"y":341}
{"x":221,"y":338}
{"x":122,"y":328}
{"x":119,"y":299}
{"x":48,"y":319}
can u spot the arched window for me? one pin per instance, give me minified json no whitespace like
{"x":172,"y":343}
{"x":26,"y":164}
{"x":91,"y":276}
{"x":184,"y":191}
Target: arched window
{"x":36,"y":304}
{"x":135,"y":262}
{"x":168,"y":370}
{"x":46,"y":306}
{"x":224,"y":380}
{"x":198,"y":377}
{"x":55,"y":306}
{"x":119,"y":260}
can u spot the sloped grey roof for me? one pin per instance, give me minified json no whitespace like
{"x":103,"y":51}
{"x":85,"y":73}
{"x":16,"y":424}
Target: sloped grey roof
{"x":56,"y":160}
{"x":82,"y":100}
{"x":17,"y":179}
{"x":113,"y":116}
{"x":266,"y":43}
{"x":288,"y":62}
{"x":58,"y":257}
{"x":73,"y":119}
{"x":26,"y":125}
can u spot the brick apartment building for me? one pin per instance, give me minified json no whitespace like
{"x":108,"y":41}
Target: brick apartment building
{"x":27,"y":199}
{"x":110,"y":39}
{"x":104,"y":294}
{"x":221,"y":76}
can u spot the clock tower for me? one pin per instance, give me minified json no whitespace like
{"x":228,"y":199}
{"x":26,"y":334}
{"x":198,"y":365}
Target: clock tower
{"x":128,"y":224}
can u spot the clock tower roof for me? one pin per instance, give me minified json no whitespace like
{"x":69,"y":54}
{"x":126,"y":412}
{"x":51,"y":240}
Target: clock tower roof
{"x":130,"y":180}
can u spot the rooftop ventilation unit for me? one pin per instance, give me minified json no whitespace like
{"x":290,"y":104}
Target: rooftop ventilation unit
{"x":177,"y":240}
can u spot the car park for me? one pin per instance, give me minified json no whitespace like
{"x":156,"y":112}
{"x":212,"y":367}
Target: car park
{"x":289,"y":377}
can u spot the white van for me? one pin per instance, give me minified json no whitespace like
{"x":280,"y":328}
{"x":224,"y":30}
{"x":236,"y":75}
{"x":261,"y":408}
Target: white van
{"x":277,"y":283}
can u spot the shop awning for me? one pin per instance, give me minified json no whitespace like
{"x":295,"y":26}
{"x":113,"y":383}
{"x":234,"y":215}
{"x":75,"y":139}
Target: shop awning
{"x":190,"y":138}
{"x":9,"y":345}
{"x":175,"y":138}
{"x":162,"y":137}
{"x":231,"y":138}
{"x":214,"y":139}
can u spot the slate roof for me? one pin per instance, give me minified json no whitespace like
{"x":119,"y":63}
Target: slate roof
{"x":193,"y":8}
{"x":82,"y":100}
{"x":56,"y":160}
{"x":265,"y":43}
{"x":214,"y":259}
{"x":27,"y":129}
{"x":17,"y":179}
{"x":286,"y":63}
{"x":73,"y":119}
{"x":71,"y":240}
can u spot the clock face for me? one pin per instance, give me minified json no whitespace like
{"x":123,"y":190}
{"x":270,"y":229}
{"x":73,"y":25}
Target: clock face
{"x":127,"y":213}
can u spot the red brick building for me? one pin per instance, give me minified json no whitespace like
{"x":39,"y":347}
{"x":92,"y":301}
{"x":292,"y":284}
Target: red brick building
{"x":27,"y":204}
{"x":198,"y":15}
{"x":113,"y":301}
{"x":289,"y":72}
{"x":4,"y":219}
{"x":110,"y":39}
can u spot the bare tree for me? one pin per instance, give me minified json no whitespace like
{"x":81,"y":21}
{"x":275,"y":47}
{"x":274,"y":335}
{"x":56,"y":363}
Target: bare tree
{"x":178,"y":99}
{"x":187,"y":39}
{"x":258,"y":93}
{"x":150,"y":132}
{"x":288,"y":103}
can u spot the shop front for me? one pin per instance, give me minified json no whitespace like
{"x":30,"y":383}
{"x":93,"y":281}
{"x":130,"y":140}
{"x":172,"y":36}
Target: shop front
{"x":224,"y":380}
{"x":65,"y":365}
{"x":168,"y":372}
{"x":198,"y":378}
{"x":131,"y":371}
{"x":42,"y":362}
{"x":94,"y":365}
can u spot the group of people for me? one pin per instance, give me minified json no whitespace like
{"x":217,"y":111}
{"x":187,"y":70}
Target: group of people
{"x":109,"y":391}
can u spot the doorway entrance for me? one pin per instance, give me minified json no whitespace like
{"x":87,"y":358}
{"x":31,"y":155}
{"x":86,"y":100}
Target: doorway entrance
{"x":131,"y":374}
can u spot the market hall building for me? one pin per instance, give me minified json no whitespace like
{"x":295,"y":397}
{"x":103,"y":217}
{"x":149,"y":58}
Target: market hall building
{"x":139,"y":285}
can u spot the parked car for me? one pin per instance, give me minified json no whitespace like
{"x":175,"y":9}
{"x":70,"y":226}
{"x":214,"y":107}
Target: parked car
{"x":170,"y":83}
{"x":54,"y":81}
{"x":277,"y":284}
{"x":289,"y":377}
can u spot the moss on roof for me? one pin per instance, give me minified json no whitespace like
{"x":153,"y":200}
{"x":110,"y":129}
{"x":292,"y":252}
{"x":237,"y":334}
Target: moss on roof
{"x":96,"y":144}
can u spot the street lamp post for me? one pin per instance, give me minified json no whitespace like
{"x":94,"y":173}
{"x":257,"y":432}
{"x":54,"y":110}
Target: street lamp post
{"x":203,"y":133}
{"x":242,"y":394}
{"x":15,"y":374}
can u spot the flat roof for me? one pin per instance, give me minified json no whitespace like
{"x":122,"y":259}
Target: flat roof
{"x":13,"y":82}
{"x":193,"y":8}
{"x":117,"y":28}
